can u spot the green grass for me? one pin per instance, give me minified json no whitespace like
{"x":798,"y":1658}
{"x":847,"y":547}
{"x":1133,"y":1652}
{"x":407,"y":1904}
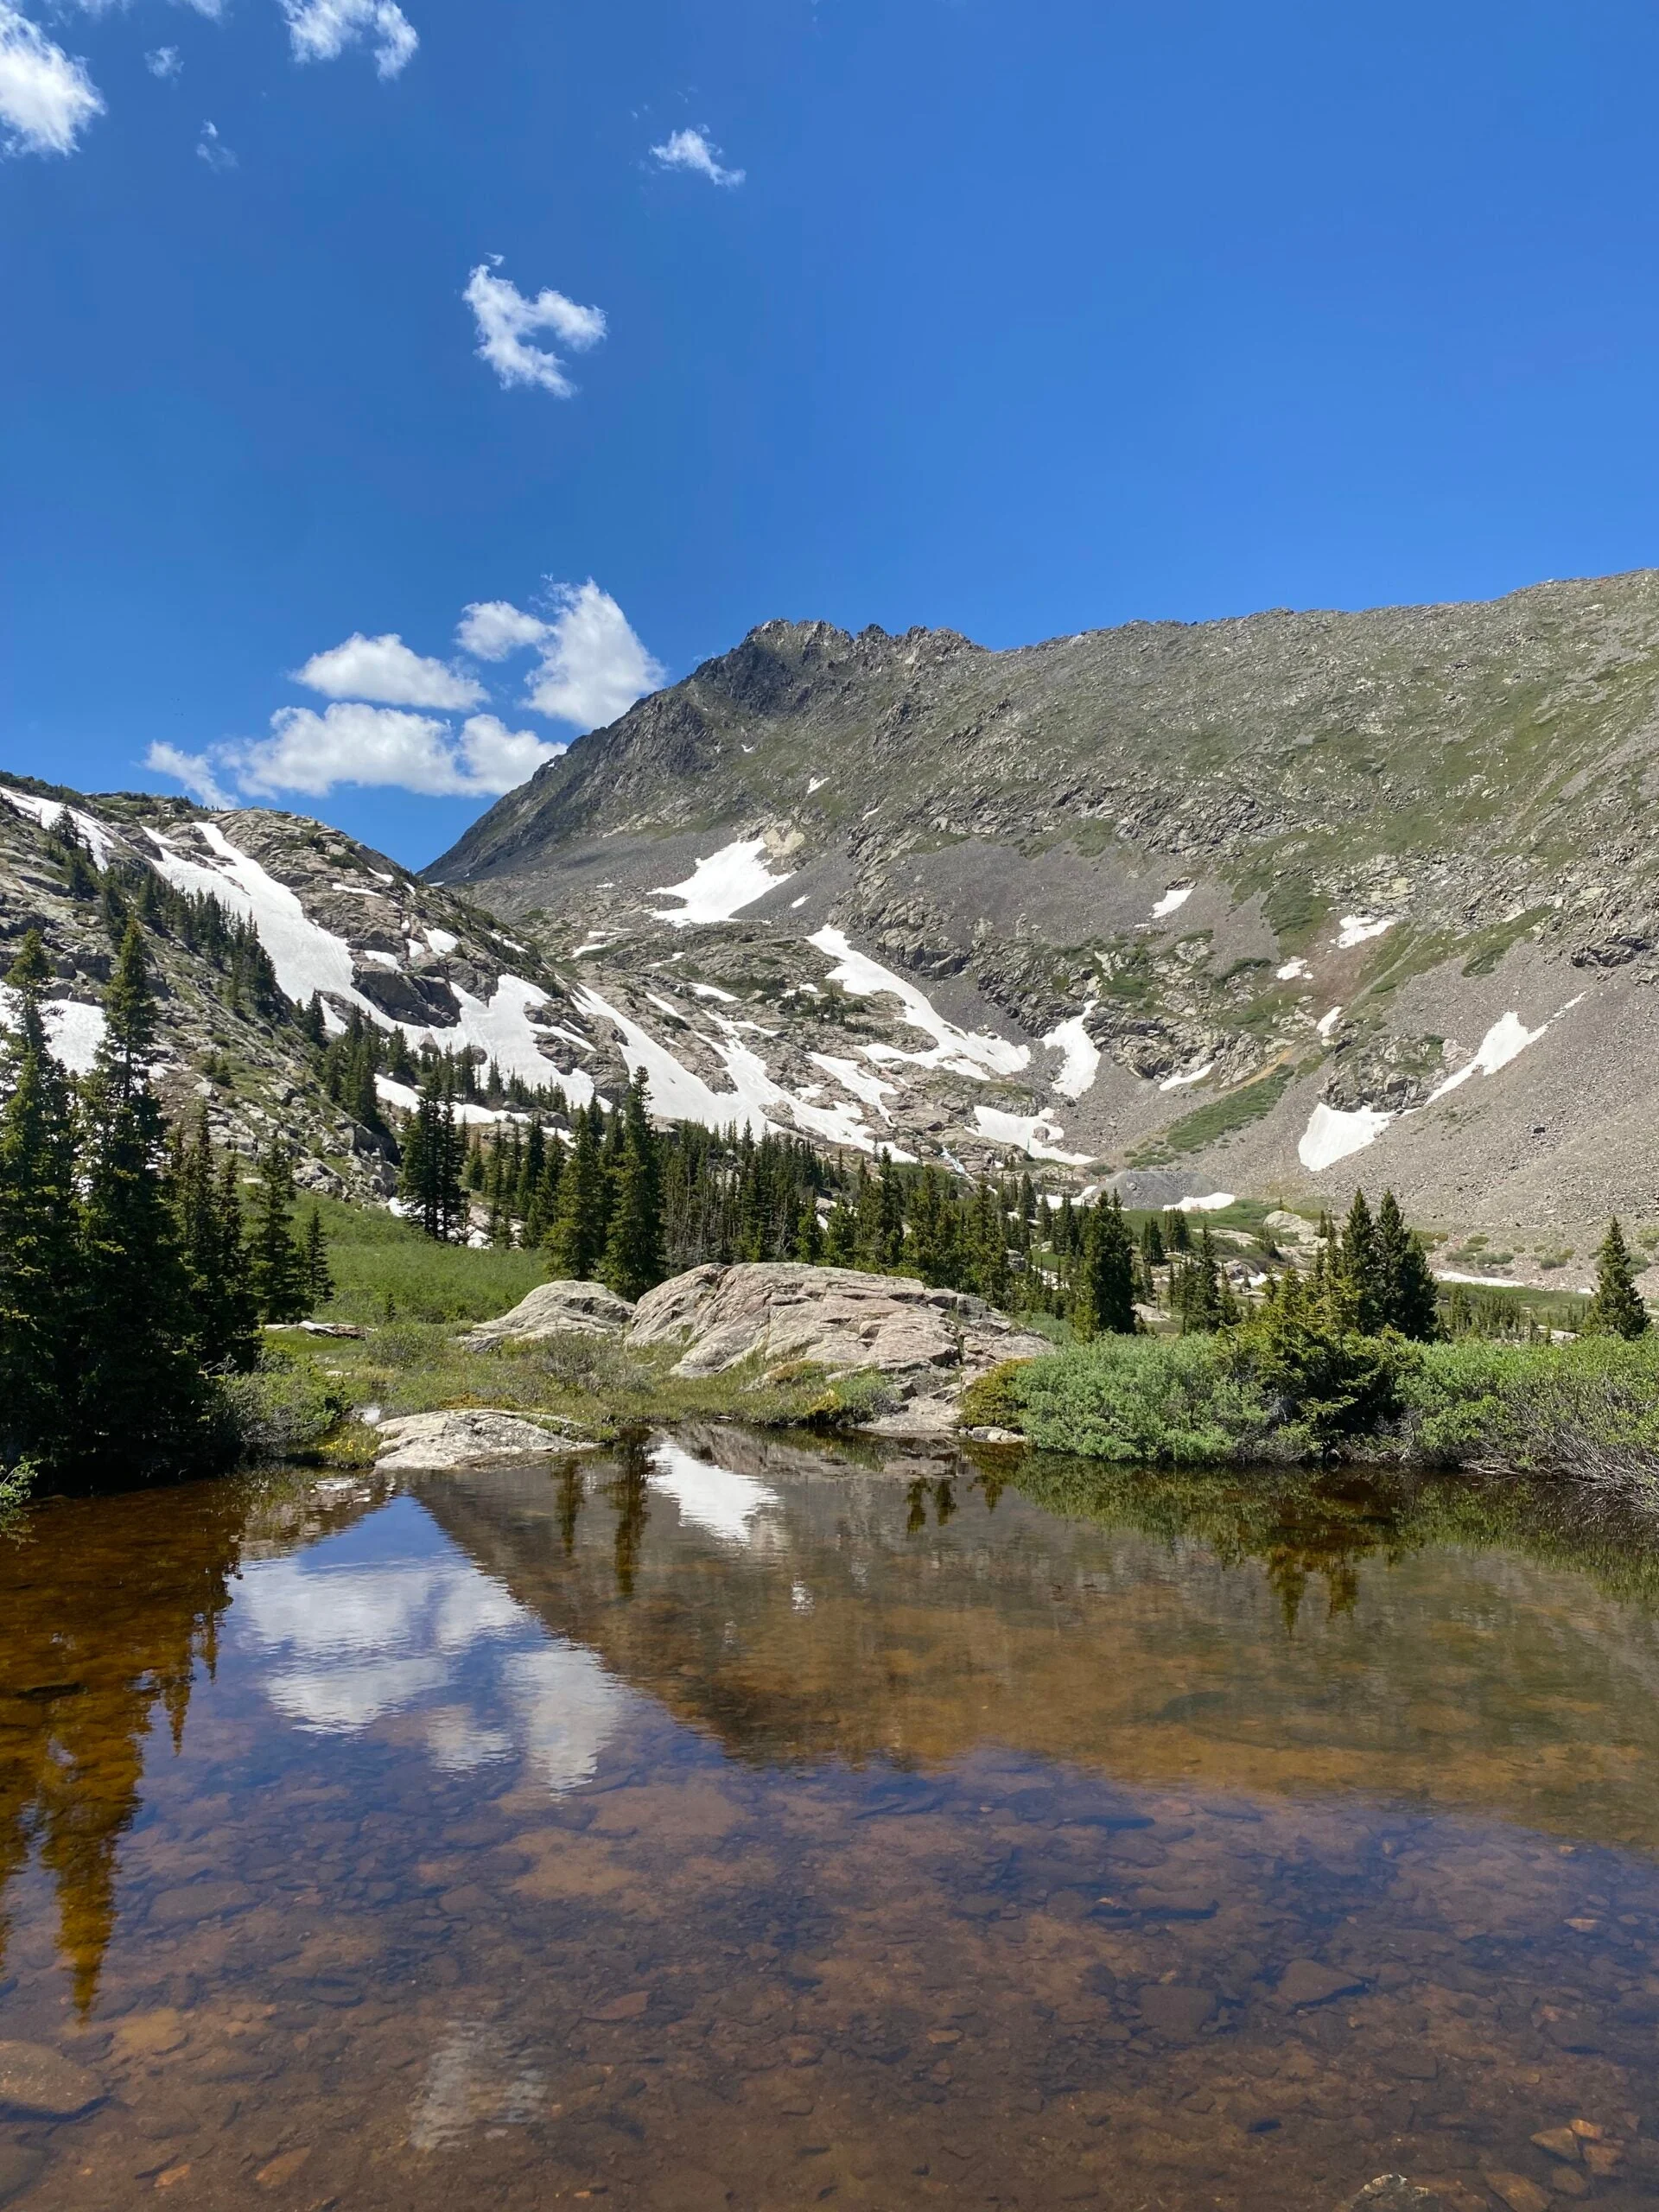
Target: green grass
{"x":374,"y":1258}
{"x":1222,"y":1117}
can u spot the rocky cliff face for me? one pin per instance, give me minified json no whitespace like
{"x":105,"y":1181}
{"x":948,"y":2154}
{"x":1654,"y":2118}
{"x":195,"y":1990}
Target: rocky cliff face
{"x":1276,"y":905}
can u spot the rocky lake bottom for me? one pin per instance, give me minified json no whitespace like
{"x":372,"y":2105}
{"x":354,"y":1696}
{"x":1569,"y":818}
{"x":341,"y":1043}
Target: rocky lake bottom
{"x":727,"y":1822}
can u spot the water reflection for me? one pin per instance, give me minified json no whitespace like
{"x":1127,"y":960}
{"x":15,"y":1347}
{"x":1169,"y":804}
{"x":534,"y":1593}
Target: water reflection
{"x":737,"y":1825}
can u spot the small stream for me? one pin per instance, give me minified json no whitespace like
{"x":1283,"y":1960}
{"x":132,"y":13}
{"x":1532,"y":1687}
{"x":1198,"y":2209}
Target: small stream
{"x":734,"y":1823}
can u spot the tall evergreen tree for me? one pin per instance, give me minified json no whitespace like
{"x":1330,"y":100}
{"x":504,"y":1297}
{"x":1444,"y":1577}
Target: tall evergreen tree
{"x":319,"y":1275}
{"x":277,"y":1261}
{"x":576,"y":1238}
{"x":633,"y":1248}
{"x":1108,"y":1286}
{"x":208,"y":1208}
{"x":1409,"y":1297}
{"x":430,"y":1184}
{"x":1359,"y":1273}
{"x":38,"y":1223}
{"x":1616,"y":1309}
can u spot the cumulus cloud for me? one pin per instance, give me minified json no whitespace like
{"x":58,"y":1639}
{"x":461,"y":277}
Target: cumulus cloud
{"x":320,"y":30}
{"x":490,"y":629}
{"x":164,"y":62}
{"x":212,"y":149}
{"x":46,"y":98}
{"x":506,"y":320}
{"x":385,"y":669}
{"x":694,"y":150}
{"x":194,"y":770}
{"x":594,"y":666}
{"x":499,"y":758}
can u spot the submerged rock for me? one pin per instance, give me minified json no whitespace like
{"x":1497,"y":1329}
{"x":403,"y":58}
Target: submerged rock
{"x":929,"y":1343}
{"x":39,"y":2084}
{"x":556,"y":1309}
{"x":1393,"y":2193}
{"x":474,"y":1436}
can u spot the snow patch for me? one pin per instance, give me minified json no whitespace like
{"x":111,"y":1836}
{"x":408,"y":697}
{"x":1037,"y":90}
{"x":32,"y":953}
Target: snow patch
{"x":1331,"y":1134}
{"x":1082,"y":1063}
{"x":583,"y":950}
{"x":73,"y":1030}
{"x":307,"y":957}
{"x":1360,"y":929}
{"x":715,"y":1499}
{"x":723,"y":885}
{"x":442,"y":942}
{"x":1214,"y":1201}
{"x":1327,"y":1022}
{"x":1173,"y":901}
{"x":1033,"y":1133}
{"x":1193,"y":1075}
{"x":852,"y":1077}
{"x":48,"y":813}
{"x":1291,"y":971}
{"x":1507,"y":1039}
{"x":964,"y":1052}
{"x":816,"y":784}
{"x":713,"y":991}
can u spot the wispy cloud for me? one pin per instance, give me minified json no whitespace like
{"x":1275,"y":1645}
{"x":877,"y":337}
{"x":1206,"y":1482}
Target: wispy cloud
{"x":593,"y":665}
{"x":46,"y":98}
{"x":695,"y":151}
{"x":164,"y":62}
{"x":212,"y":149}
{"x":194,"y":770}
{"x":506,"y":320}
{"x":320,"y":30}
{"x":386,"y":669}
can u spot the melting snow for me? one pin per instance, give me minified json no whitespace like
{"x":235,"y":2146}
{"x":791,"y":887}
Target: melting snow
{"x":1193,"y":1075}
{"x":1327,"y":1022}
{"x":1331,"y":1134}
{"x":307,"y":957}
{"x":851,"y":1076}
{"x":1082,"y":1054}
{"x":74,"y":1031}
{"x":582,"y":950}
{"x":1359,"y":929}
{"x":1033,"y":1133}
{"x":721,"y":886}
{"x":441,"y":941}
{"x":1291,"y":971}
{"x":1504,"y":1041}
{"x":712,"y":991}
{"x":963,"y":1053}
{"x":816,"y":784}
{"x":1216,"y":1202}
{"x":717,"y":1499}
{"x":1173,"y":901}
{"x":49,"y":811}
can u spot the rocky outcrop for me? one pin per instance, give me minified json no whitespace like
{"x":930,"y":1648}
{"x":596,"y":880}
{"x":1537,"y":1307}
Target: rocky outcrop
{"x":475,"y":1436}
{"x":556,"y":1309}
{"x":929,"y":1343}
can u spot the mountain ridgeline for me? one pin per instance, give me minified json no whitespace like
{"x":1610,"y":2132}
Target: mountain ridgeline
{"x":1275,"y":906}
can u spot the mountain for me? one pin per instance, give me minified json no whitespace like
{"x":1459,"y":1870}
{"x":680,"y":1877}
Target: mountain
{"x":1271,"y":905}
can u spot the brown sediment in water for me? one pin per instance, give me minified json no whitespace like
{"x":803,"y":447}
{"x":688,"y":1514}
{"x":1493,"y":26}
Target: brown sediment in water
{"x":595,"y":1837}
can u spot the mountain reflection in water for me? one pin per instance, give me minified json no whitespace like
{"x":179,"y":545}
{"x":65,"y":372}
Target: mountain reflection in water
{"x":727,"y":1823}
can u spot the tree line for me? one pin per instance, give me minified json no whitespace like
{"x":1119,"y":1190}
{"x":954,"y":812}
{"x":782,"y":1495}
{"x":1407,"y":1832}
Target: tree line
{"x":132,"y":1276}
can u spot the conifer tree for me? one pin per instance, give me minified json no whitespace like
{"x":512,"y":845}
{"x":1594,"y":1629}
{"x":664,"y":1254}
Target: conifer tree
{"x":208,"y":1208}
{"x":1616,"y":1309}
{"x":430,"y":1184}
{"x":634,"y":1248}
{"x":1409,"y":1300}
{"x":319,"y":1275}
{"x":1108,"y":1300}
{"x":37,"y":1227}
{"x":277,"y":1261}
{"x":1360,"y":1271}
{"x":577,"y":1239}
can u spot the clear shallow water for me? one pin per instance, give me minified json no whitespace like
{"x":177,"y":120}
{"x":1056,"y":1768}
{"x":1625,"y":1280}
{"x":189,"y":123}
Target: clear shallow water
{"x":782,"y":1831}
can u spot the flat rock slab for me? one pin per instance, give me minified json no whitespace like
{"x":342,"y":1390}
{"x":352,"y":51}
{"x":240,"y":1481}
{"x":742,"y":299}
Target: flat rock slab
{"x":1393,"y":2193}
{"x":439,"y":1443}
{"x":555,"y":1309}
{"x":39,"y":2084}
{"x":1310,"y":1982}
{"x":1170,"y":2010}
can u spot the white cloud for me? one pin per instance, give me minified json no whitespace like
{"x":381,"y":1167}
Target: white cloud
{"x":499,"y":758}
{"x":164,"y":62}
{"x":506,"y":319}
{"x":490,"y":629}
{"x":194,"y":770}
{"x":594,"y":666}
{"x":352,"y":743}
{"x":694,"y":150}
{"x":320,"y":30}
{"x":47,"y":99}
{"x":386,"y":669}
{"x":212,"y":149}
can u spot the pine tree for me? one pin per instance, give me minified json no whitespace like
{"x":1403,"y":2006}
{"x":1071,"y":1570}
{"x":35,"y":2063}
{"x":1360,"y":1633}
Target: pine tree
{"x":37,"y":1227}
{"x":1616,"y":1309}
{"x":208,"y":1210}
{"x":634,"y":1248}
{"x":1409,"y":1298}
{"x":277,"y":1261}
{"x":319,"y":1277}
{"x":1359,"y":1270}
{"x":430,"y":1184}
{"x":577,"y":1239}
{"x":1108,"y":1287}
{"x":142,"y":1405}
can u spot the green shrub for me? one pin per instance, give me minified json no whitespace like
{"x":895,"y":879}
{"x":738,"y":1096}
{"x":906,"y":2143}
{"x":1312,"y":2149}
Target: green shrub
{"x":281,"y":1411}
{"x":1585,"y":1411}
{"x":1160,"y":1401}
{"x":1324,"y":1386}
{"x":993,"y":1401}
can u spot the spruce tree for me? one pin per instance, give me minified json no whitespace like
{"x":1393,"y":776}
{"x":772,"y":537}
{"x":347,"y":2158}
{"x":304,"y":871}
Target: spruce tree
{"x":577,"y":1239}
{"x":277,"y":1261}
{"x":38,"y":1222}
{"x":319,"y":1275}
{"x":429,"y":1182}
{"x":1409,"y":1300}
{"x":1360,"y":1269}
{"x":1616,"y":1309}
{"x":208,"y":1207}
{"x":634,"y":1248}
{"x":1107,"y":1299}
{"x":142,"y":1405}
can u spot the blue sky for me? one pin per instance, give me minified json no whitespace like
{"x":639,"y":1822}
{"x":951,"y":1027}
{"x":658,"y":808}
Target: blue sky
{"x":1022,"y":319}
